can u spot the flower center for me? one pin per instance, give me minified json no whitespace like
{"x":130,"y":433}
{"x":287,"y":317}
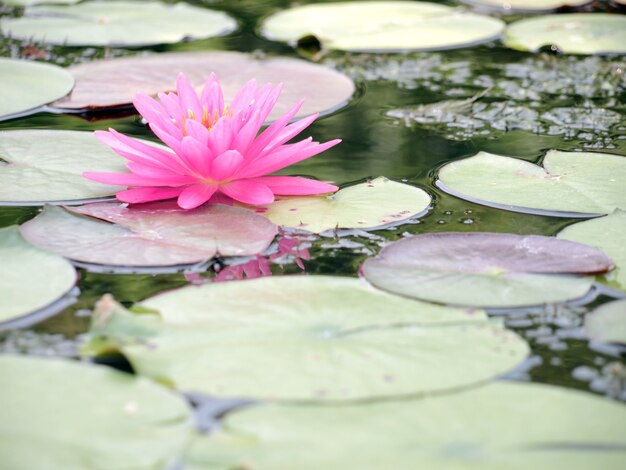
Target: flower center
{"x":208,"y":119}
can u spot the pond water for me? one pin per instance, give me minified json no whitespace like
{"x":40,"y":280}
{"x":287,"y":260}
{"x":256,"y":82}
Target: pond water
{"x":533,"y":103}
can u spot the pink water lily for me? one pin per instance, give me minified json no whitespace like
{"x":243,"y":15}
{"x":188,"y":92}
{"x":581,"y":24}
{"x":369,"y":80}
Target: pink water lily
{"x":214,"y":150}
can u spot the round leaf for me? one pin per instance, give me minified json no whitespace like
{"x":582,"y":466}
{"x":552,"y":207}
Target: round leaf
{"x":576,"y":33}
{"x":569,"y":184}
{"x":30,"y":279}
{"x":307,"y":338}
{"x":45,"y":167}
{"x":25,"y":86}
{"x":149,"y":235}
{"x":63,"y":414}
{"x":114,"y":82}
{"x":382,"y":26}
{"x":529,"y":6}
{"x":118,"y":23}
{"x":368,"y":205}
{"x":608,"y":322}
{"x":485,"y":269}
{"x":500,"y":425}
{"x":606,"y":234}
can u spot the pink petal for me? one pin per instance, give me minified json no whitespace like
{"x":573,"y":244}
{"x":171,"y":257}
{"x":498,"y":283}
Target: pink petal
{"x":196,"y":156}
{"x":171,"y":104}
{"x":195,"y":195}
{"x":188,"y":98}
{"x":139,"y":195}
{"x":248,"y":192}
{"x":290,"y":132}
{"x":244,"y":97}
{"x":273,"y":130}
{"x":149,"y":108}
{"x":295,"y":185}
{"x":212,"y":98}
{"x":149,"y":171}
{"x":129,"y":179}
{"x":225,"y":165}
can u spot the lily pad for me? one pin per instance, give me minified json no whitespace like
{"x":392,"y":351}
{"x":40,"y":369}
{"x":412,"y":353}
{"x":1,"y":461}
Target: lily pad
{"x":305,"y":338}
{"x":63,"y":414}
{"x":486,"y":269}
{"x":575,"y":33}
{"x":608,"y":322}
{"x":34,"y":2}
{"x":30,"y":279}
{"x":606,"y":234}
{"x":529,"y":6}
{"x":500,"y":425}
{"x":45,"y":167}
{"x":382,"y":26}
{"x":25,"y":86}
{"x":368,"y":205}
{"x":113,"y":83}
{"x":118,"y":23}
{"x":568,"y":184}
{"x":148,"y":235}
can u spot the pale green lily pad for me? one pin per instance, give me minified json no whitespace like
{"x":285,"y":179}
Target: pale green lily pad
{"x":72,"y":416}
{"x":112,"y":83}
{"x":118,"y":23}
{"x":382,"y":26}
{"x":30,"y":279}
{"x":35,"y":2}
{"x":608,"y":322}
{"x":148,"y":235}
{"x":576,"y":33}
{"x":502,"y":425}
{"x":45,"y":167}
{"x":606,"y":234}
{"x":529,"y":6}
{"x":486,"y":269}
{"x":367,"y":205}
{"x":568,"y":184}
{"x":305,"y":338}
{"x":26,"y":86}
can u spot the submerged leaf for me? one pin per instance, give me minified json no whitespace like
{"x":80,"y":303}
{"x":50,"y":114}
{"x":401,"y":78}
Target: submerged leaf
{"x":486,"y":269}
{"x":149,"y":235}
{"x":309,"y":338}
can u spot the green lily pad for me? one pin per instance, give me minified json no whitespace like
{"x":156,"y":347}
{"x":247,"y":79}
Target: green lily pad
{"x":529,"y":6}
{"x":148,"y":235}
{"x":113,"y":83}
{"x":608,"y":322}
{"x":368,"y":205}
{"x":568,"y":184}
{"x":486,"y":269}
{"x":45,"y":167}
{"x":30,"y":279}
{"x":305,"y":338}
{"x":63,"y":414}
{"x":26,"y":86}
{"x":382,"y":26}
{"x":118,"y":23}
{"x":496,"y":426}
{"x":606,"y":234}
{"x":576,"y":33}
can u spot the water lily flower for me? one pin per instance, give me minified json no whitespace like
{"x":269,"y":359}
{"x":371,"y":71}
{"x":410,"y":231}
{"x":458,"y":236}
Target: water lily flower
{"x":214,"y":150}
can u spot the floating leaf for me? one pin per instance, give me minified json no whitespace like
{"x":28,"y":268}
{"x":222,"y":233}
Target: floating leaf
{"x":529,"y":6}
{"x":306,"y":338}
{"x":606,"y":234}
{"x":63,"y":414}
{"x":34,"y":2}
{"x":45,"y":167}
{"x":576,"y":33}
{"x":119,"y":23}
{"x":149,"y":235}
{"x":382,"y":26}
{"x":496,"y":426}
{"x":569,"y":184}
{"x":114,"y":82}
{"x":608,"y":322}
{"x":368,"y":205}
{"x":26,"y":85}
{"x":30,"y":279}
{"x":485,"y":269}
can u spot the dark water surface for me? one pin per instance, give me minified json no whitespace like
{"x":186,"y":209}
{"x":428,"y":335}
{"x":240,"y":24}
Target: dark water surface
{"x":580,"y":104}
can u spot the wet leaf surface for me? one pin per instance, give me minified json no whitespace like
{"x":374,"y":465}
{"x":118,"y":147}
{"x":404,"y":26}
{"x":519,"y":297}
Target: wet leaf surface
{"x":608,"y":322}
